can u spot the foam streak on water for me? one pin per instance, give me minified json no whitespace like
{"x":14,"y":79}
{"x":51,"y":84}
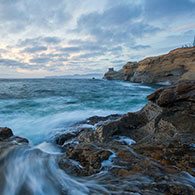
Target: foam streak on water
{"x":30,"y":171}
{"x":34,"y":108}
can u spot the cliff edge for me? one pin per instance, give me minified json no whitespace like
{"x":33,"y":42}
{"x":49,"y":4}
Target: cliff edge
{"x":177,"y":65}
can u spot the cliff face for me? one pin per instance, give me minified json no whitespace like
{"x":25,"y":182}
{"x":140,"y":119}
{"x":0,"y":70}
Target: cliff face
{"x":178,"y":64}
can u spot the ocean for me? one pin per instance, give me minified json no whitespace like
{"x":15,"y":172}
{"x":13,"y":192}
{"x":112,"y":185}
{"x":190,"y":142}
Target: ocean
{"x":39,"y":108}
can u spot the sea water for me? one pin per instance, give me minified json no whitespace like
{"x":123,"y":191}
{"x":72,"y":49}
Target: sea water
{"x":38,"y":108}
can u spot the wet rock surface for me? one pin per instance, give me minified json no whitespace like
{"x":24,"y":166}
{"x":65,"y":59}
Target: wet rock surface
{"x":162,"y":160}
{"x":8,"y":141}
{"x":5,"y":133}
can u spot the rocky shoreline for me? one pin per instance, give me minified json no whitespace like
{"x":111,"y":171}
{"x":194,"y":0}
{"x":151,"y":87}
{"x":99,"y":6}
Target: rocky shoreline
{"x":177,"y":65}
{"x":151,"y":151}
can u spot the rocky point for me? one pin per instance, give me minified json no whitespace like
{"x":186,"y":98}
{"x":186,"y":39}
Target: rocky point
{"x":177,"y":65}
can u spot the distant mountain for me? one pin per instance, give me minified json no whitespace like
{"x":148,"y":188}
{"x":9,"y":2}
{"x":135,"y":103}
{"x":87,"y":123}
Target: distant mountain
{"x":78,"y":76}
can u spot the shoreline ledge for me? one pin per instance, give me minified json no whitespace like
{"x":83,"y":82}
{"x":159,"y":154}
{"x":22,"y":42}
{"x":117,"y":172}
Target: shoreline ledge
{"x":177,"y":65}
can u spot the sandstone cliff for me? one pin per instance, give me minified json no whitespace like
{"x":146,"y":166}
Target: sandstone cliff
{"x":178,"y":64}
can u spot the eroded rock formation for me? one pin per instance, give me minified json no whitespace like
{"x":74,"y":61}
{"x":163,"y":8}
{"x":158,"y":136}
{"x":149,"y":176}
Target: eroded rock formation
{"x":161,"y":161}
{"x":177,"y":65}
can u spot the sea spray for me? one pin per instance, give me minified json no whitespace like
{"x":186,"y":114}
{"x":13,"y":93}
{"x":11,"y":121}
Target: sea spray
{"x":37,"y":108}
{"x":31,"y":171}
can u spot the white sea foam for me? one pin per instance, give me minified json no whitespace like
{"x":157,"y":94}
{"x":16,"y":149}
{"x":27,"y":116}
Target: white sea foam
{"x":49,"y":148}
{"x":107,"y":163}
{"x":133,"y":85}
{"x":126,"y":140}
{"x":29,"y":171}
{"x":38,"y":128}
{"x":166,"y":83}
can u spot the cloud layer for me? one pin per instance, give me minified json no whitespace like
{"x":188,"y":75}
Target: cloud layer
{"x":59,"y":37}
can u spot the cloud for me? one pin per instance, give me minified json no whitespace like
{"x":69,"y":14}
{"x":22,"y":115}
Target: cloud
{"x":118,"y":61}
{"x":115,"y":15}
{"x":18,"y":15}
{"x":156,"y":10}
{"x":9,"y":63}
{"x":89,"y":55}
{"x":70,"y":49}
{"x":35,"y":49}
{"x":139,"y":47}
{"x":57,"y":35}
{"x":83,"y":47}
{"x":54,"y":55}
{"x":40,"y":60}
{"x":36,"y":41}
{"x":116,"y":25}
{"x":52,"y":40}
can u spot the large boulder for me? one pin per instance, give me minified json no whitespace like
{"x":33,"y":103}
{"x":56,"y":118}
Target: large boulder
{"x":5,"y":133}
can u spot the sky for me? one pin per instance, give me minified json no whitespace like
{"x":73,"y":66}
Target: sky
{"x":41,"y":38}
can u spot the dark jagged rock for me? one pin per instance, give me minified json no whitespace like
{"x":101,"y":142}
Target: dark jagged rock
{"x":96,"y":119}
{"x":61,"y":139}
{"x":18,"y":139}
{"x":162,"y":159}
{"x":85,"y":134}
{"x":5,"y":133}
{"x":184,"y":91}
{"x":89,"y":157}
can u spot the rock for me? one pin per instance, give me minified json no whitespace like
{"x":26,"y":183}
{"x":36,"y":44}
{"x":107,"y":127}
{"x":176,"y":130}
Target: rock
{"x":89,"y":156}
{"x":162,"y":159}
{"x":86,"y":136}
{"x":114,"y":75}
{"x":5,"y":133}
{"x":71,"y":166}
{"x":96,"y":119}
{"x":175,"y":66}
{"x":122,"y":126}
{"x":18,"y":139}
{"x":61,"y":139}
{"x":183,"y":91}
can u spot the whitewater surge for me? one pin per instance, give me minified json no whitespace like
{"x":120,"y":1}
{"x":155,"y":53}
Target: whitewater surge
{"x":38,"y":108}
{"x":27,"y":170}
